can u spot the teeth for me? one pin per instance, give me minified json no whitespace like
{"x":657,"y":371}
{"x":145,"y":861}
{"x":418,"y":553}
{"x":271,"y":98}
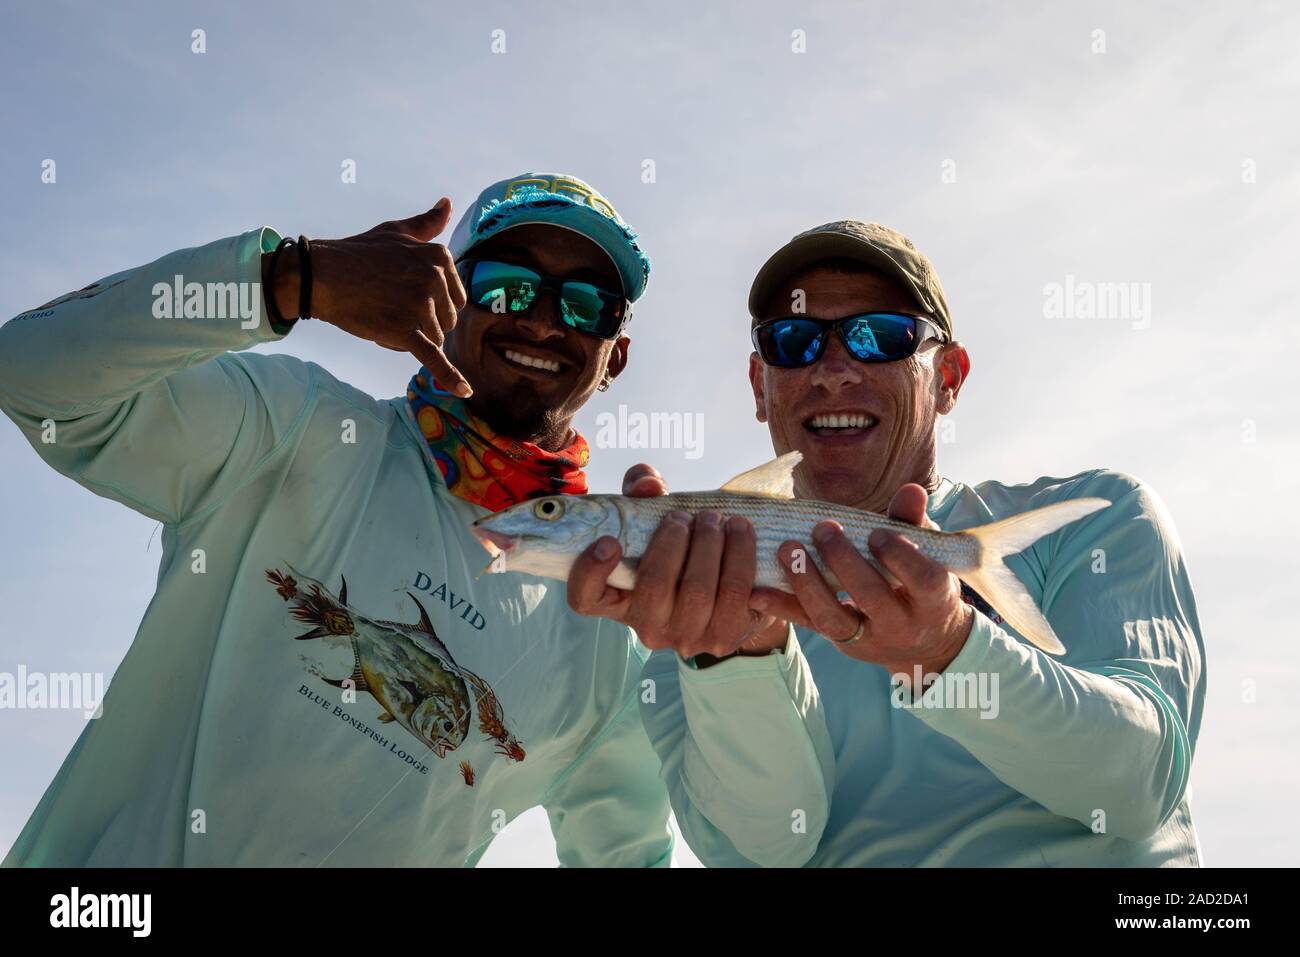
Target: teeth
{"x":854,"y":420}
{"x":532,"y":362}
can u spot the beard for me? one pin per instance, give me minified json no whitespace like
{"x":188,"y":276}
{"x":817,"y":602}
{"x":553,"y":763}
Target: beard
{"x":518,"y":412}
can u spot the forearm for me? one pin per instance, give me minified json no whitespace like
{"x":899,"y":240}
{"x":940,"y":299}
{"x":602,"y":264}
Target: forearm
{"x":1101,"y":746}
{"x":105,"y":343}
{"x":746,"y":756}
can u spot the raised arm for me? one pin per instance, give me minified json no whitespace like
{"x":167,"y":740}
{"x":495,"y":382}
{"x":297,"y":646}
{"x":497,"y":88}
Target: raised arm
{"x":127,"y":387}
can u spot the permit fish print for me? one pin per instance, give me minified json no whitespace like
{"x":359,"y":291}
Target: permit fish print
{"x":405,"y":667}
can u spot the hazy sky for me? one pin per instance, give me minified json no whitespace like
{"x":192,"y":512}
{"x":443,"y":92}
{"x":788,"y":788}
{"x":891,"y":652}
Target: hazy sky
{"x":999,"y":138}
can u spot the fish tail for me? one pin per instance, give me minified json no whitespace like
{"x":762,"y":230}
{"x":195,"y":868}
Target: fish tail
{"x":998,"y":584}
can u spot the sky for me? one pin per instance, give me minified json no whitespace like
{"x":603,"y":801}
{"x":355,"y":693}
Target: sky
{"x":1023,"y":147}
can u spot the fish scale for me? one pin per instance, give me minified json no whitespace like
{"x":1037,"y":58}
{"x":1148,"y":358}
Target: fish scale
{"x":544,"y":536}
{"x":777,"y":521}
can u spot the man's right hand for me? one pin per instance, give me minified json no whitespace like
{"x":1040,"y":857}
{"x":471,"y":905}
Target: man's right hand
{"x":693,"y":583}
{"x":390,"y":285}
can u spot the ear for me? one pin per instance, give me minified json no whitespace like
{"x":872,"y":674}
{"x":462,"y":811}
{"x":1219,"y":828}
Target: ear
{"x":953,"y":364}
{"x":756,"y":368}
{"x":617,"y":360}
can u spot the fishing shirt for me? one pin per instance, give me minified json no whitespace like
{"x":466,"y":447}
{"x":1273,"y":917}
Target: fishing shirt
{"x":1012,"y":757}
{"x":322,"y":676}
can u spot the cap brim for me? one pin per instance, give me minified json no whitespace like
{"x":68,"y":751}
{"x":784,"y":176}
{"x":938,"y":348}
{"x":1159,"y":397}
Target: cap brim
{"x":594,"y":225}
{"x":803,"y":251}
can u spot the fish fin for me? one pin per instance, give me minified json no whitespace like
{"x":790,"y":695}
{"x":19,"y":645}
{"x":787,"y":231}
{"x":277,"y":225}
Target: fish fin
{"x":999,"y":585}
{"x":357,"y":678}
{"x":343,"y":595}
{"x":386,"y":718}
{"x":425,"y":623}
{"x":314,"y":633}
{"x":774,"y":479}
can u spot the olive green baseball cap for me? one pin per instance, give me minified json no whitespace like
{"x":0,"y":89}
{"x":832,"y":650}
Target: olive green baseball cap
{"x":872,"y":244}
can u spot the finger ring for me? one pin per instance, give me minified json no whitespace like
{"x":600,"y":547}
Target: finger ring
{"x":862,"y":627}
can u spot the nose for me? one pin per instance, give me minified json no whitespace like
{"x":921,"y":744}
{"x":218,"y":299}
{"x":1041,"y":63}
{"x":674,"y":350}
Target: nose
{"x":542,"y":322}
{"x":836,"y":369}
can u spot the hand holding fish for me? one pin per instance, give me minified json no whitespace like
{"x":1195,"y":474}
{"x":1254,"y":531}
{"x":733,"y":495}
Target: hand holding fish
{"x":920,"y":620}
{"x":694,"y":588}
{"x":911,"y":603}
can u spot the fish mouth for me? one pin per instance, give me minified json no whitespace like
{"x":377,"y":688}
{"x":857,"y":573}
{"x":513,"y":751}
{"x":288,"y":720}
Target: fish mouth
{"x":495,"y":542}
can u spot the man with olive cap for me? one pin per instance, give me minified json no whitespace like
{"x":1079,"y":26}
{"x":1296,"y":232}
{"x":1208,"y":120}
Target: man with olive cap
{"x":905,"y":723}
{"x":324,"y":677}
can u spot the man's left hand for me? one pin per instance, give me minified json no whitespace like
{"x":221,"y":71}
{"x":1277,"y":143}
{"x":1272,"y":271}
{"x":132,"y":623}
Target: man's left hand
{"x":919,"y":620}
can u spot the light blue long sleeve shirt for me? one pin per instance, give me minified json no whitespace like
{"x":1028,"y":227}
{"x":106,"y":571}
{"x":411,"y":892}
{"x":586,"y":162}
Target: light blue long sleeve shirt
{"x":809,"y":757}
{"x":223,"y":740}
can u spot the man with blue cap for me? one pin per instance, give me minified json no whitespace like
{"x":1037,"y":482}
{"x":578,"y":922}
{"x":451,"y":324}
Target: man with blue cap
{"x":323,"y":677}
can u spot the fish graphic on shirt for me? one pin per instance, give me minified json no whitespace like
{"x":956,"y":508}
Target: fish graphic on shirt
{"x":405,"y":667}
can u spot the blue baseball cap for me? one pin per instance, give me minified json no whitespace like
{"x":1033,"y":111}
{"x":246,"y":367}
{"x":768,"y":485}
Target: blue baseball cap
{"x":558,"y":200}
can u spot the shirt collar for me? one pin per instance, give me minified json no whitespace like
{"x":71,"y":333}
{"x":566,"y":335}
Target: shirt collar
{"x":942,"y":499}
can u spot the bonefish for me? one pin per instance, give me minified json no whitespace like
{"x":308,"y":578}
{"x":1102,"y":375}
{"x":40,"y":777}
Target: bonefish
{"x":544,"y":536}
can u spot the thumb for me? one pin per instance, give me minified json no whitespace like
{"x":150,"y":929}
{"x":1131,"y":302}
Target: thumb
{"x":426,"y":226}
{"x":780,"y":605}
{"x":644,"y":481}
{"x":589,"y":592}
{"x":908,"y":505}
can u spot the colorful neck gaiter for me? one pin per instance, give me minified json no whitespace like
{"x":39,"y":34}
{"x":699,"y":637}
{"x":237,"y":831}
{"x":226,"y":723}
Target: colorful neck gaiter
{"x":478,"y":465}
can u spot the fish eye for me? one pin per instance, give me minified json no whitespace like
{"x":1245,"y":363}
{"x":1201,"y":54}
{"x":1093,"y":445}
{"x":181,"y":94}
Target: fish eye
{"x":447,"y":726}
{"x":548,"y":509}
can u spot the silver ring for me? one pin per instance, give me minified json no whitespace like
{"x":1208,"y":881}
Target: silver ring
{"x":862,"y":627}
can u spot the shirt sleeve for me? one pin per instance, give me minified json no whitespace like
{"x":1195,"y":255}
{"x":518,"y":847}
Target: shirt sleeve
{"x":113,"y":387}
{"x":1104,"y":735}
{"x":745,"y":754}
{"x":608,"y":808}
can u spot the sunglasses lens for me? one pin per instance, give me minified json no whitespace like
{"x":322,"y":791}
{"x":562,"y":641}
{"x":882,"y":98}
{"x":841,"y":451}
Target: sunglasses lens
{"x":790,"y":343}
{"x":502,"y":288}
{"x":880,"y":336}
{"x":591,"y":309}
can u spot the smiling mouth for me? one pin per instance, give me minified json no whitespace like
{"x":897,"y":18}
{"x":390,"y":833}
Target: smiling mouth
{"x":526,"y":360}
{"x":828,"y":424}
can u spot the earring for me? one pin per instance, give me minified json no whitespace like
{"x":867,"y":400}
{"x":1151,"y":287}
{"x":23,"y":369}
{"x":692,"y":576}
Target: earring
{"x":604,"y":383}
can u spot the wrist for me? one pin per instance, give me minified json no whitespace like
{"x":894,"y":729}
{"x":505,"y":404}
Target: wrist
{"x":771,"y":637}
{"x":935,"y":663}
{"x":281,"y":289}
